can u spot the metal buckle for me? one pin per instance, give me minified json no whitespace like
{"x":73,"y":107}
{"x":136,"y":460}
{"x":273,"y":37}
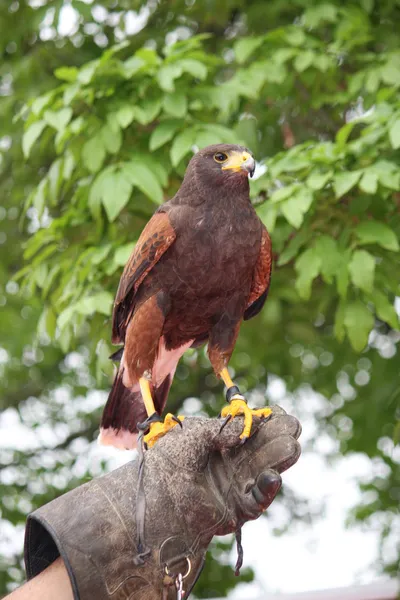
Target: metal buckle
{"x":180,"y":592}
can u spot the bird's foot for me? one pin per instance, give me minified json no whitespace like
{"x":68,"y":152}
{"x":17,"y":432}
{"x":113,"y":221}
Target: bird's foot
{"x":238,"y":407}
{"x":159,"y":428}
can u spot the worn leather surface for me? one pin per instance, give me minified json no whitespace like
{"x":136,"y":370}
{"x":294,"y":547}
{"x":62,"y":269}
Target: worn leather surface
{"x":197,"y":482}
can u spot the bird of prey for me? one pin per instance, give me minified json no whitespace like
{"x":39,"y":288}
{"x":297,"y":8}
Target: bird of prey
{"x":201,"y":266}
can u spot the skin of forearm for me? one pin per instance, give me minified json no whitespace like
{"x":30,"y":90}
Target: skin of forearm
{"x":52,"y":583}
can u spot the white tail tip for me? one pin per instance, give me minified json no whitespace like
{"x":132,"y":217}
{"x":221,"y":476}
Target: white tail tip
{"x":119,"y":438}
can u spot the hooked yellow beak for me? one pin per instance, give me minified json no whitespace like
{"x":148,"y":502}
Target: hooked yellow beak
{"x":240,"y":161}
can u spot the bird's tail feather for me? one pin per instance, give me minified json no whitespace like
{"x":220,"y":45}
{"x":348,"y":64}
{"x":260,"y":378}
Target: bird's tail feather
{"x":125,"y":409}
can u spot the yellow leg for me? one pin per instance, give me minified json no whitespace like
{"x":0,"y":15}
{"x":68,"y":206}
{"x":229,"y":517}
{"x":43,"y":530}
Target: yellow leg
{"x":238,"y":406}
{"x":146,"y":395}
{"x":157,"y":429}
{"x":226,"y":378}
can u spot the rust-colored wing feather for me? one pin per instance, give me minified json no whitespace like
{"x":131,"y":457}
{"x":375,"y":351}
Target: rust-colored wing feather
{"x":261,"y":278}
{"x":155,"y":239}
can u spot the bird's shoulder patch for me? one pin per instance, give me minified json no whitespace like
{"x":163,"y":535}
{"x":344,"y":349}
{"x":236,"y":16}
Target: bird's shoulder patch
{"x":261,"y":278}
{"x":155,"y":239}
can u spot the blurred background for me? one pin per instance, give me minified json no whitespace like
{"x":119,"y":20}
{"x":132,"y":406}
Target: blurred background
{"x":101,"y":106}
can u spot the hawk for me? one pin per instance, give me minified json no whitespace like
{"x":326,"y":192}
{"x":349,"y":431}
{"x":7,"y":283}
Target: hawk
{"x":201,"y":266}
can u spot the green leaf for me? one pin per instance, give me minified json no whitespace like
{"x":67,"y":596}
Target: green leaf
{"x":372,"y":80}
{"x":64,"y":337}
{"x":47,"y":323}
{"x":316,"y":14}
{"x":167,"y":75}
{"x":221,"y":135}
{"x":64,"y":318}
{"x":181,"y":145}
{"x":39,"y":198}
{"x":344,"y":132}
{"x":96,"y":192}
{"x":66,"y":73}
{"x":394,"y":134}
{"x":175,"y":104}
{"x":385,"y":309}
{"x":358,"y":321}
{"x":39,"y":103}
{"x":390,"y":73}
{"x":112,"y":188}
{"x":55,"y":176}
{"x":153,"y":165}
{"x":147,"y":112}
{"x":308,"y":267}
{"x":117,"y":189}
{"x":284,"y":192}
{"x":268,"y":214}
{"x":295,"y":35}
{"x":87,"y":71}
{"x":343,"y":182}
{"x":125,"y":115}
{"x":369,"y":182}
{"x":342,"y":280}
{"x":101,"y":303}
{"x":122,"y":254}
{"x":331,"y":257}
{"x":194,"y":67}
{"x":323,"y":62}
{"x":303,"y":60}
{"x":70,"y":92}
{"x":100,"y":254}
{"x":317,"y":180}
{"x":31,"y":135}
{"x":143,"y":178}
{"x":206,"y":138}
{"x":132,"y":65}
{"x":69,"y":165}
{"x":58,"y":119}
{"x":293,"y":247}
{"x":283,"y":55}
{"x":163,"y":133}
{"x":296,"y":207}
{"x":374,"y":232}
{"x":362,"y":270}
{"x":245,"y":47}
{"x":388,"y":174}
{"x":112,"y":138}
{"x":93,"y":154}
{"x":268,"y":71}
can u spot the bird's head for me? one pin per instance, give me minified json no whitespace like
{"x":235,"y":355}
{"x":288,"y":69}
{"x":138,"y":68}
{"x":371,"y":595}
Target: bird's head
{"x":222,"y":165}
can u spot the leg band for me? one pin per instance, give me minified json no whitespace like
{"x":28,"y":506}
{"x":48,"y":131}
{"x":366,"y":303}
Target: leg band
{"x":233,"y":391}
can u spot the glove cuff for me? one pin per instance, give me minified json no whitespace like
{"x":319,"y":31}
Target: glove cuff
{"x":93,"y":529}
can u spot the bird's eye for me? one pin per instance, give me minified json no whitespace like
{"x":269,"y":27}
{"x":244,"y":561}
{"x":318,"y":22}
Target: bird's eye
{"x":220,"y":157}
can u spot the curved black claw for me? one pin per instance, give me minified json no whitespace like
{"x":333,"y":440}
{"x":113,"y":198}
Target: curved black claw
{"x":145,"y":425}
{"x":243,"y":440}
{"x":174,"y":418}
{"x":225,"y":422}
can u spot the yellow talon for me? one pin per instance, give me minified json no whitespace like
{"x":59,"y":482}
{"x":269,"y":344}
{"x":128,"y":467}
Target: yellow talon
{"x":239,"y":407}
{"x":158,"y":429}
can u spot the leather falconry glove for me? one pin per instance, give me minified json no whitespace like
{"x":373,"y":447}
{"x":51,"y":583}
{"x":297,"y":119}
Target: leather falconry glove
{"x":134,"y":532}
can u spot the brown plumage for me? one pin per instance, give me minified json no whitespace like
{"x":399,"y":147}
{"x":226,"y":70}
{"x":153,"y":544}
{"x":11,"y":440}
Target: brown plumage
{"x":202,"y":264}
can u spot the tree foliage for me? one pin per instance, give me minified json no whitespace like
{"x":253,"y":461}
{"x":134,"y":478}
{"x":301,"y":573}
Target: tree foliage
{"x":104,"y":124}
